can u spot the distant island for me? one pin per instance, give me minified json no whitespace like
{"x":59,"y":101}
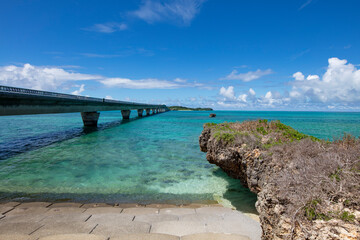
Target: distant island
{"x":181,"y":108}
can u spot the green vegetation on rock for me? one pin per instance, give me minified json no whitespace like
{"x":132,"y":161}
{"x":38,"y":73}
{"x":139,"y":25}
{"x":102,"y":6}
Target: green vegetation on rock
{"x":275,"y":132}
{"x":181,"y":108}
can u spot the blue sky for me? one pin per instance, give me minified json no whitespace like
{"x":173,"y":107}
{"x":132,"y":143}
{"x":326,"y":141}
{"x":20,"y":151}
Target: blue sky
{"x":251,"y":55}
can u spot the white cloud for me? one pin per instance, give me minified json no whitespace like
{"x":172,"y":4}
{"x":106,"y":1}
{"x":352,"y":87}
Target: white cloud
{"x":107,"y":27}
{"x":80,"y":90}
{"x":180,"y":11}
{"x":149,"y":83}
{"x":247,"y":77}
{"x":252,"y":92}
{"x":313,"y":78}
{"x":38,"y":77}
{"x":180,"y":80}
{"x":109,"y":97}
{"x":242,"y":98}
{"x":55,"y":79}
{"x":299,"y":76}
{"x":339,"y":84}
{"x":227,"y":92}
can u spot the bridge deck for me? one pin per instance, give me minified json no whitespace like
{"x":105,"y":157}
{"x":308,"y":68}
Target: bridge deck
{"x":20,"y":101}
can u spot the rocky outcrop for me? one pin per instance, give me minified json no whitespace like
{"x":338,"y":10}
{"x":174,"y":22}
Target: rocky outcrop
{"x":306,"y":188}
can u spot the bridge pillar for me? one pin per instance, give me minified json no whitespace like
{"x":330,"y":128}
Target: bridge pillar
{"x":140,"y":112}
{"x":125,"y":114}
{"x":90,"y":119}
{"x":147,"y":111}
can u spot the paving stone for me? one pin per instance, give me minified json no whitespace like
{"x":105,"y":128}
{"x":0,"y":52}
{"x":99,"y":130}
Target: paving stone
{"x":95,"y":205}
{"x":21,"y":218}
{"x":66,"y":204}
{"x":15,"y":237}
{"x":178,"y":228}
{"x":111,"y":218}
{"x":4,"y":209}
{"x":55,"y":228}
{"x":9,"y":204}
{"x":177,"y":211}
{"x":67,"y":217}
{"x":35,"y":204}
{"x":61,"y":210}
{"x":113,"y":230}
{"x":145,"y":236}
{"x":152,"y":218}
{"x":27,"y":210}
{"x":214,"y":210}
{"x":18,"y":227}
{"x":214,"y":236}
{"x":200,"y":217}
{"x":80,"y":236}
{"x":99,"y":210}
{"x":247,"y":227}
{"x":159,"y":206}
{"x":140,"y":211}
{"x":239,"y":216}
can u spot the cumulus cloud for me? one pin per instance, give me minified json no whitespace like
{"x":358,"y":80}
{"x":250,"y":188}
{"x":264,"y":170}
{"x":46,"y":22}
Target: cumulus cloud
{"x":339,"y":84}
{"x":247,"y":77}
{"x":179,"y":11}
{"x":227,"y":92}
{"x":38,"y":77}
{"x":337,"y":89}
{"x":107,"y":27}
{"x":298,"y":76}
{"x":243,"y":100}
{"x":313,"y":77}
{"x":80,"y":90}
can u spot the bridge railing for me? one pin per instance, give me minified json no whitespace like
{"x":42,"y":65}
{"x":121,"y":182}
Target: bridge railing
{"x":7,"y":89}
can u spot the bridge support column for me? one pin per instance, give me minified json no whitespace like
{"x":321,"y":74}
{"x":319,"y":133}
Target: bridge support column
{"x":125,"y":114}
{"x":90,"y":119}
{"x":140,"y":112}
{"x":147,"y":111}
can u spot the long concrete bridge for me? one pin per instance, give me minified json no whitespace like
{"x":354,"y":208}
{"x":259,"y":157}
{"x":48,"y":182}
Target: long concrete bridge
{"x":21,"y":101}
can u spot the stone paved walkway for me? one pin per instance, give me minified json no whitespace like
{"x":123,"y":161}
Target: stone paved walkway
{"x":75,"y":221}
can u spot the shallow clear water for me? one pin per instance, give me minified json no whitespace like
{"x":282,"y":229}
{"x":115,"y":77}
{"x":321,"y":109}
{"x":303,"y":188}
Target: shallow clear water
{"x":147,"y":160}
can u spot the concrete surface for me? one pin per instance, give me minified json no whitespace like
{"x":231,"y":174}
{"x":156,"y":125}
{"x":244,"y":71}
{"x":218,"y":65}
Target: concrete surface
{"x":76,"y":221}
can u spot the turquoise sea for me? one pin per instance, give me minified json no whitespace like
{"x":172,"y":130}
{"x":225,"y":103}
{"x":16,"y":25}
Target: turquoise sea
{"x":154,"y":159}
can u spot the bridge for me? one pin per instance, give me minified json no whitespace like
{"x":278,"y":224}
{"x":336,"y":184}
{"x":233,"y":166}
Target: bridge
{"x":21,"y":101}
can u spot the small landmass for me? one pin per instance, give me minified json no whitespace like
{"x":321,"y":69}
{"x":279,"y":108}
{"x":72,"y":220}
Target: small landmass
{"x":181,"y":108}
{"x":307,"y":188}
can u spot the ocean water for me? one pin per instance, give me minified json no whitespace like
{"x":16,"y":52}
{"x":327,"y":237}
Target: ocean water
{"x":152,"y":159}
